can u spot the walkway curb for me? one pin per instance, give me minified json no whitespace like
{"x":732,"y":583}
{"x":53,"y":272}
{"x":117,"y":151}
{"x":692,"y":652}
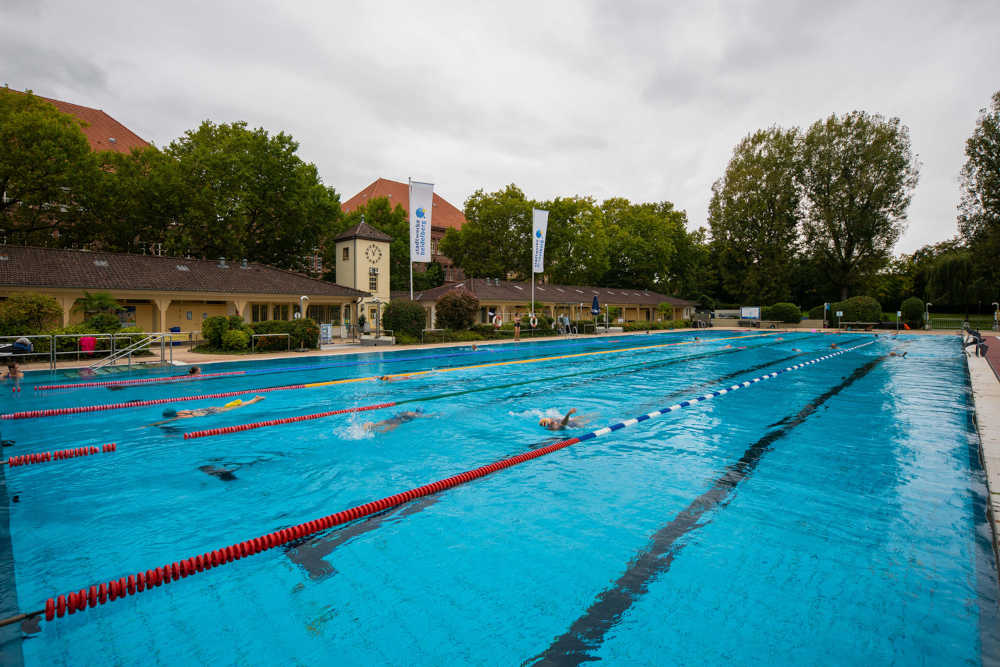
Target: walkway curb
{"x":986,"y":399}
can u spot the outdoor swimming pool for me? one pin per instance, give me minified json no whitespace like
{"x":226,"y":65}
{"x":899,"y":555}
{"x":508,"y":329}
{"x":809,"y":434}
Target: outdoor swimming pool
{"x":833,"y":514}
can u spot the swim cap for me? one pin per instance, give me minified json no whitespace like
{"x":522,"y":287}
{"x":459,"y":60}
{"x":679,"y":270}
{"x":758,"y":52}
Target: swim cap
{"x":232,"y":404}
{"x":169,"y":413}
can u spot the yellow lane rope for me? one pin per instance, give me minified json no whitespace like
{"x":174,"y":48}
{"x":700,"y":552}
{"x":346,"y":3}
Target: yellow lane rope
{"x":529,"y":361}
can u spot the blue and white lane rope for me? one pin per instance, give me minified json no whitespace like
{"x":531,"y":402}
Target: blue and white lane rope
{"x":706,"y":397}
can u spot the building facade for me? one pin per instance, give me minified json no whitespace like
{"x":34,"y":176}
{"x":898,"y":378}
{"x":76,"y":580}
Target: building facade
{"x":160,"y":293}
{"x":505,"y":298}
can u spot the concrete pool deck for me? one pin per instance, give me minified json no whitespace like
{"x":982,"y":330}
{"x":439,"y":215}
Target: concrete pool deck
{"x":985,"y":377}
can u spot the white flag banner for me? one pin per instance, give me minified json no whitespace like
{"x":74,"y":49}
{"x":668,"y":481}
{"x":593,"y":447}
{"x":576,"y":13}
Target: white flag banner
{"x":421,"y":207}
{"x":539,"y":226}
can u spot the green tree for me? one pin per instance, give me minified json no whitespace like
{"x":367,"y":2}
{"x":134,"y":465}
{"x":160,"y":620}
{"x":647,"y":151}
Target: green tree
{"x":576,"y":243}
{"x":641,"y":243}
{"x":45,"y":163}
{"x":428,"y":279}
{"x":754,"y":216}
{"x":913,"y":312}
{"x":137,"y":198}
{"x":858,"y":174}
{"x":495,"y":240}
{"x":97,"y":303}
{"x":26,"y":313}
{"x":979,"y":208}
{"x":456,"y":310}
{"x":404,"y":316}
{"x":249,"y":195}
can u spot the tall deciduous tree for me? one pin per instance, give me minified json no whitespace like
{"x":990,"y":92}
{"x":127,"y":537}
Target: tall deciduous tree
{"x":979,"y":209}
{"x":137,"y":200}
{"x":754,"y":216}
{"x":249,"y":195}
{"x":45,"y":163}
{"x":858,"y":174}
{"x":576,"y":244}
{"x":495,"y":240}
{"x":641,"y":242}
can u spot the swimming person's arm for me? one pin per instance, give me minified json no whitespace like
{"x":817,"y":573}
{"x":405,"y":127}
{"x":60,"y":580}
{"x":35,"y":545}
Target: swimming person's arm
{"x":565,"y":420}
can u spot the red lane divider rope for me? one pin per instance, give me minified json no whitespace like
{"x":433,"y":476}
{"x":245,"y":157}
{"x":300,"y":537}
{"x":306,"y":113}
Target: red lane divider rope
{"x":136,"y":404}
{"x":44,"y":457}
{"x":125,"y":383}
{"x":143,"y":581}
{"x":286,"y":420}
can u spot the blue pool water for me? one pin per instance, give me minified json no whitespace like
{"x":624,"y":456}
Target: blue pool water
{"x":831,"y":515}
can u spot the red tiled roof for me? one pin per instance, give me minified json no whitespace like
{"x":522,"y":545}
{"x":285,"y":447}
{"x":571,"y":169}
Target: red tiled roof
{"x":505,"y":290}
{"x":103,"y":132}
{"x":22,"y":266}
{"x":445,"y":215}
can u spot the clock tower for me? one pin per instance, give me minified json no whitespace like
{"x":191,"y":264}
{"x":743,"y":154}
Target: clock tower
{"x":363,"y":264}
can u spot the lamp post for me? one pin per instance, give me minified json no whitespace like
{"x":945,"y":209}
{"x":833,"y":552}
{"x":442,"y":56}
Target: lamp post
{"x":302,"y":314}
{"x":927,"y":315}
{"x":996,"y":316}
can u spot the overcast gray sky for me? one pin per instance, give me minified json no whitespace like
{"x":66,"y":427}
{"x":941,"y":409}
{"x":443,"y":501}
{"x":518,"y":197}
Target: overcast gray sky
{"x":637,"y":99}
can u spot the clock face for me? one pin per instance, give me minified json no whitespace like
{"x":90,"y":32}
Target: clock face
{"x":373,"y":253}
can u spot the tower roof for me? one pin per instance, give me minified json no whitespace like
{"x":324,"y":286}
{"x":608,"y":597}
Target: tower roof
{"x":363,"y":230}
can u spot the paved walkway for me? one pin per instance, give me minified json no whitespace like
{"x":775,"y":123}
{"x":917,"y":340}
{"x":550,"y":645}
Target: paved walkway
{"x":985,"y":374}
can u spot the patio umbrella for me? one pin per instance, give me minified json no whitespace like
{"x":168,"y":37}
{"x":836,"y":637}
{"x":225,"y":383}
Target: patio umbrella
{"x":595,"y":308}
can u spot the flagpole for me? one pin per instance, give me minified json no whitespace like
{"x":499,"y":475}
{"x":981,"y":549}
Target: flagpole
{"x":409,"y":181}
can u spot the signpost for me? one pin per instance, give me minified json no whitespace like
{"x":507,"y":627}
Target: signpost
{"x":899,"y":314}
{"x":840,"y":314}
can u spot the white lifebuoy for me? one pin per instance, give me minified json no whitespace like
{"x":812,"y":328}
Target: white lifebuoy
{"x":533,"y":321}
{"x":497,"y":321}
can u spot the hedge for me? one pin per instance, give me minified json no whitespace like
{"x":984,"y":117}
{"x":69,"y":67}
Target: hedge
{"x":783,"y":312}
{"x":404,"y":317}
{"x":857,"y":309}
{"x":913,"y":312}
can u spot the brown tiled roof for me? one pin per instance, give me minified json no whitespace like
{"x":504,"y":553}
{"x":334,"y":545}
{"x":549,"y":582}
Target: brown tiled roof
{"x":490,"y":290}
{"x":363,"y":230}
{"x":103,"y":132}
{"x":444,"y":215}
{"x":48,"y":267}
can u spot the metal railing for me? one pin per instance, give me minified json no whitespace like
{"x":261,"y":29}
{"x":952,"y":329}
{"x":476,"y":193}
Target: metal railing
{"x":105,"y":348}
{"x":142,"y":345}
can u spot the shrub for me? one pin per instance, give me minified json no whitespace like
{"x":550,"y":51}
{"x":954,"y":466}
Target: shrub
{"x":857,"y":309}
{"x":451,"y":336}
{"x":235,"y":339}
{"x":404,"y":317}
{"x":103,"y":323}
{"x":305,"y":333}
{"x":784,"y":312}
{"x":213,"y":328}
{"x":913,"y":312}
{"x":456,"y":311}
{"x":816,"y":312}
{"x":406,"y":339}
{"x":26,"y":314}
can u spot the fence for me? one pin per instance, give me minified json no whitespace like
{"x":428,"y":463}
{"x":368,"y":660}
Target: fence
{"x":94,"y":346}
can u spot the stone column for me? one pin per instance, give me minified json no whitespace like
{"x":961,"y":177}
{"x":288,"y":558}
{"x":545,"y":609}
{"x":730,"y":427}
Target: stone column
{"x":161,"y":309}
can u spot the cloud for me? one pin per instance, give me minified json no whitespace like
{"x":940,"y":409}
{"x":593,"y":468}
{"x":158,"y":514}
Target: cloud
{"x":639,"y":99}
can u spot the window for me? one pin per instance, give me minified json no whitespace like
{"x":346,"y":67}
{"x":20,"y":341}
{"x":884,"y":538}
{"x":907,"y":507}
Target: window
{"x":280,"y":311}
{"x":373,"y":279}
{"x":347,"y":253}
{"x":258,"y":312}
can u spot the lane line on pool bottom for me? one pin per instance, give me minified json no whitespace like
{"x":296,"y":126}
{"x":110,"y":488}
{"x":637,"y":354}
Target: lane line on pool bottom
{"x":52,"y":412}
{"x":280,"y":421}
{"x":78,"y":601}
{"x":586,"y":634}
{"x":308,"y":552}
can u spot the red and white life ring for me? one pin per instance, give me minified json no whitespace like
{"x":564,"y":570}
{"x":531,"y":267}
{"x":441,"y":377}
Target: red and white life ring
{"x":533,"y":321}
{"x":497,"y":321}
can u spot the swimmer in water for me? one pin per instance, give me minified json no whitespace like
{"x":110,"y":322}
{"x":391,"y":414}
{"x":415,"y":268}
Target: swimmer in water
{"x":194,"y":370}
{"x":173,"y":415}
{"x":901,"y":355}
{"x":393,"y":422}
{"x":833,"y":346}
{"x":399,"y":378}
{"x":560,"y":424}
{"x":795,"y":349}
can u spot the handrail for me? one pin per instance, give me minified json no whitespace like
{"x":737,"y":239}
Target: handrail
{"x":125,"y":351}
